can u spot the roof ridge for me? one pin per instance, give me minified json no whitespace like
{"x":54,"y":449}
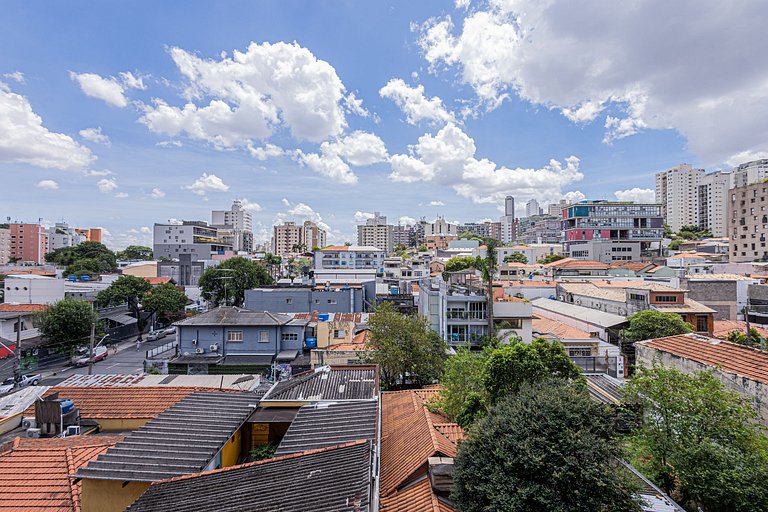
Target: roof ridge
{"x":71,"y":470}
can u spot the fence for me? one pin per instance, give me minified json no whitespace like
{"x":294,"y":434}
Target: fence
{"x":161,"y":349}
{"x":597,"y":364}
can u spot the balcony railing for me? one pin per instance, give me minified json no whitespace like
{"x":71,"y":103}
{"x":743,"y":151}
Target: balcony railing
{"x":467,"y":315}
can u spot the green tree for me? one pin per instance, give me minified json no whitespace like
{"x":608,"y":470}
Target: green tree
{"x":66,"y":256}
{"x":675,"y":243}
{"x":650,"y":324}
{"x":462,"y":395}
{"x":66,"y":324}
{"x":407,"y":351}
{"x":516,"y":257}
{"x":699,"y":440}
{"x":129,"y":290}
{"x":754,"y":339}
{"x":83,"y":267}
{"x":422,"y":248}
{"x":551,"y":258}
{"x":511,"y":366}
{"x":166,"y":301}
{"x":272,"y":262}
{"x":459,"y":263}
{"x":135,"y":252}
{"x":237,"y":274}
{"x":547,"y":448}
{"x":487,"y":267}
{"x":693,"y":233}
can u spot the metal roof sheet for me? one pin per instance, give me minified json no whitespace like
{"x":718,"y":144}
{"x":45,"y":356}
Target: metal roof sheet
{"x":354,"y":382}
{"x":592,"y":316}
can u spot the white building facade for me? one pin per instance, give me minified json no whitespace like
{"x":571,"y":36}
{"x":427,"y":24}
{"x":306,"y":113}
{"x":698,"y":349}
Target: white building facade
{"x":677,"y":190}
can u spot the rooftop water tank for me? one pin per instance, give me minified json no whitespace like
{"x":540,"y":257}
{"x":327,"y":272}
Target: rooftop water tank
{"x":66,"y":405}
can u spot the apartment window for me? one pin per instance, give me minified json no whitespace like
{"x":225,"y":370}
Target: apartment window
{"x":636,"y":296}
{"x":235,"y":336}
{"x":290,"y":336}
{"x":666,"y":298}
{"x":580,"y":352}
{"x":331,"y":301}
{"x":263,"y":337}
{"x":339,"y":333}
{"x":289,"y":301}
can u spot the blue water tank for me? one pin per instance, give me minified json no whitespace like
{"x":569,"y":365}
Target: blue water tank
{"x":85,"y":278}
{"x":311,"y":342}
{"x":66,"y":405}
{"x":72,"y":278}
{"x":394,"y":290}
{"x":323,"y":317}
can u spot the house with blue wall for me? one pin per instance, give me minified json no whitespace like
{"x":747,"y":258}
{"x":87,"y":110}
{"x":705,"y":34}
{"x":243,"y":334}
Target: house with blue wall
{"x":229,"y":340}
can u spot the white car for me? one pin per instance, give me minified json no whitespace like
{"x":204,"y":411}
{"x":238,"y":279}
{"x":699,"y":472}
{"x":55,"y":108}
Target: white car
{"x":155,"y":335}
{"x":169,"y":330}
{"x":82,"y":357}
{"x":25,"y":380}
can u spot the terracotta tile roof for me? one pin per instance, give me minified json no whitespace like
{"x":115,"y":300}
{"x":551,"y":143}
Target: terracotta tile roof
{"x":21,"y":308}
{"x":727,"y":357}
{"x":157,"y":280}
{"x":557,"y":329}
{"x":34,"y":473}
{"x":685,"y":255}
{"x":110,"y":402}
{"x":573,"y":263}
{"x":723,"y":327}
{"x":416,"y":497}
{"x":636,"y":266}
{"x":529,"y":283}
{"x":452,"y":431}
{"x":31,"y":272}
{"x":409,"y":438}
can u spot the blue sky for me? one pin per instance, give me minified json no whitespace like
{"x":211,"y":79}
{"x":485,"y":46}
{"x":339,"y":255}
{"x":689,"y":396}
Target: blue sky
{"x":124,"y":116}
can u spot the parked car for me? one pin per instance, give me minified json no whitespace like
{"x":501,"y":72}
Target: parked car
{"x":169,"y":330}
{"x":26,"y":380}
{"x":155,"y":335}
{"x":82,"y":356}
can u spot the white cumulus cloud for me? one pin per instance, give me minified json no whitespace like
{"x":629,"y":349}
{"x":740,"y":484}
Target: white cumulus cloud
{"x":105,"y":89}
{"x":414,"y":103}
{"x":157,"y":193}
{"x":24,"y":139}
{"x":334,"y":160}
{"x":361,"y":217}
{"x":250,"y":205}
{"x":206,"y":183}
{"x":406,"y":221}
{"x":95,"y":135}
{"x":436,"y":203}
{"x":47,"y":184}
{"x":16,"y":76}
{"x":265,"y":152}
{"x":107,"y":185}
{"x":636,"y":195}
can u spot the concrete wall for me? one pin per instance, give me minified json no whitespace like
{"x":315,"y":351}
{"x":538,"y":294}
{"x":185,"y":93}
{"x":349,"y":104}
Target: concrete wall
{"x":33,"y":290}
{"x":303,"y":300}
{"x":718,"y":295}
{"x":748,"y":388}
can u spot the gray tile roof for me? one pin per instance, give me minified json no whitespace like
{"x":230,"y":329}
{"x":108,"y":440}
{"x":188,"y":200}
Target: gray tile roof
{"x":329,"y":383}
{"x":318,"y":426}
{"x":181,"y":440}
{"x":327,"y":480}
{"x":236,"y":316}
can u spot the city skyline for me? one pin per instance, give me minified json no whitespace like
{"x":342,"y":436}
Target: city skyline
{"x":122,"y":119}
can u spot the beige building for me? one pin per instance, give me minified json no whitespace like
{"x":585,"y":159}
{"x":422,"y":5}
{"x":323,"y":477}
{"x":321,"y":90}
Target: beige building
{"x":748,"y":223}
{"x":5,"y":245}
{"x":313,"y":235}
{"x":286,"y":238}
{"x":713,"y":201}
{"x":376,"y":233}
{"x":677,"y":191}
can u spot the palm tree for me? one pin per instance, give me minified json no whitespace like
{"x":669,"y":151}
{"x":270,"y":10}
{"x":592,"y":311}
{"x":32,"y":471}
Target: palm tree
{"x":487,"y":268}
{"x":272,"y":262}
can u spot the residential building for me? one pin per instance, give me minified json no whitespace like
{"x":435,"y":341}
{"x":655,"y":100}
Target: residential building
{"x":441,"y":227}
{"x":599,"y":324}
{"x":677,"y":190}
{"x":727,"y":294}
{"x":195,"y":238}
{"x":569,"y":267}
{"x":540,"y":229}
{"x":90,"y":234}
{"x":60,"y":235}
{"x":532,"y":208}
{"x":237,"y":226}
{"x":611,"y":231}
{"x":287,"y":239}
{"x":28,"y":243}
{"x":532,"y":252}
{"x":184,"y":271}
{"x":5,"y":244}
{"x":580,"y":345}
{"x":298,"y":299}
{"x":750,"y":172}
{"x":741,"y":369}
{"x":349,"y":257}
{"x":748,"y":223}
{"x":556,"y":209}
{"x":312,"y":235}
{"x":438,"y":242}
{"x":713,"y":202}
{"x":33,"y":289}
{"x":508,"y":223}
{"x":376,"y":233}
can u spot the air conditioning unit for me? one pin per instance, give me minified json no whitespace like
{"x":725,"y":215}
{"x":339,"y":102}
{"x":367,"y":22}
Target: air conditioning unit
{"x":27,"y":423}
{"x":199,"y":351}
{"x":33,"y":432}
{"x":72,"y":430}
{"x":214,"y":347}
{"x":194,"y":341}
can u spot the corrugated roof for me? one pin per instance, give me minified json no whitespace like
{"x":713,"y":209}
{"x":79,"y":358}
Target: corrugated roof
{"x":590,"y":290}
{"x":319,"y":426}
{"x":725,"y":356}
{"x":604,"y":389}
{"x":592,"y":316}
{"x":181,"y":440}
{"x":34,"y":473}
{"x":719,"y":277}
{"x":329,"y":383}
{"x":335,"y":479}
{"x":230,"y":315}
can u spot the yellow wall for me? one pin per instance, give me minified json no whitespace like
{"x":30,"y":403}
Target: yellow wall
{"x":147,"y":270}
{"x":324,"y":333}
{"x":121,"y":424}
{"x":230,"y":454}
{"x":109,"y":495}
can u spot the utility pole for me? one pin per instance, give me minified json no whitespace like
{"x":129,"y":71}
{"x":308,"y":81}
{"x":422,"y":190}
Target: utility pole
{"x":92,"y":339}
{"x":17,"y":366}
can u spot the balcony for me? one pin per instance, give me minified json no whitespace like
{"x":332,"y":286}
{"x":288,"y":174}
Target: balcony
{"x":466,"y":315}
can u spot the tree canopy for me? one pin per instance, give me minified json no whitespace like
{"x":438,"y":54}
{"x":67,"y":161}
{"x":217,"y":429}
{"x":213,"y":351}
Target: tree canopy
{"x":516,"y":257}
{"x":650,"y":324}
{"x":459,"y":263}
{"x":128,"y":289}
{"x":67,"y":256}
{"x":753,"y":340}
{"x":83,"y":267}
{"x":407,"y":351}
{"x":699,"y":440}
{"x":551,"y":258}
{"x":66,"y":324}
{"x":237,"y":274}
{"x":166,"y":301}
{"x":135,"y":252}
{"x":548,"y":447}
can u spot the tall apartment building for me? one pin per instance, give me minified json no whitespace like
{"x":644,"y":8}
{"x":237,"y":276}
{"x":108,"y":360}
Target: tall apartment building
{"x":195,"y":238}
{"x":748,"y":223}
{"x":90,"y":234}
{"x":5,"y":244}
{"x":532,"y":208}
{"x":286,"y":238}
{"x":713,"y":202}
{"x":60,"y":235}
{"x":376,"y":233}
{"x":508,"y":221}
{"x":409,"y":235}
{"x":312,"y":235}
{"x":441,"y":227}
{"x":750,"y":172}
{"x":235,"y":225}
{"x":349,"y":257}
{"x":556,"y":209}
{"x":611,"y":231}
{"x":28,"y":243}
{"x":677,"y":190}
{"x":540,"y":229}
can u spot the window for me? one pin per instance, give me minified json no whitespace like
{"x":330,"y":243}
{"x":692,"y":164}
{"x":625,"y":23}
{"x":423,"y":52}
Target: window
{"x":339,"y":333}
{"x":234,"y":336}
{"x":701,"y":324}
{"x":580,"y":352}
{"x":331,"y":301}
{"x":289,"y":301}
{"x":290,"y":336}
{"x":263,"y":337}
{"x":666,"y":298}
